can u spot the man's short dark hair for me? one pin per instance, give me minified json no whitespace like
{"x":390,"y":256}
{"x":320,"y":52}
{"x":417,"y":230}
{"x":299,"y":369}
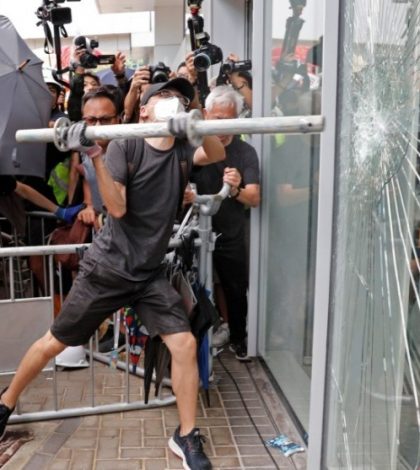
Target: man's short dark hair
{"x":111,"y":92}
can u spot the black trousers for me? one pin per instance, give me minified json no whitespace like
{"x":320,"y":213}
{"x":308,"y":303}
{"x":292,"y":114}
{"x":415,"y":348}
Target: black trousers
{"x":232,"y":268}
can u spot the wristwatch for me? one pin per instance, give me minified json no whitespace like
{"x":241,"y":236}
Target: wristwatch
{"x":236,"y":195}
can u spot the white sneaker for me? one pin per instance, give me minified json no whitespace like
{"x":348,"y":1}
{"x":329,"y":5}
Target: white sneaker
{"x":222,"y":335}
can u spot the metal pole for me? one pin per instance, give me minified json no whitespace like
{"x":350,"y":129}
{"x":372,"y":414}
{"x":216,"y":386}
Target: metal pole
{"x":319,"y":406}
{"x":264,"y":125}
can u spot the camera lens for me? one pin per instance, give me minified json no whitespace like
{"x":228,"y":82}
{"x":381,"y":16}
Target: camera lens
{"x":227,"y":67}
{"x":88,"y":61}
{"x":159,"y":77}
{"x":202,"y":62}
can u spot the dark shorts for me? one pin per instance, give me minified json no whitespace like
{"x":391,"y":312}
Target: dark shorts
{"x":97,"y":293}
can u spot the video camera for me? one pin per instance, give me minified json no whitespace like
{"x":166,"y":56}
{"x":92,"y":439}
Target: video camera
{"x":206,"y":54}
{"x":88,"y":60}
{"x":231,"y":66}
{"x":50,"y":11}
{"x":297,"y":3}
{"x":159,"y":73}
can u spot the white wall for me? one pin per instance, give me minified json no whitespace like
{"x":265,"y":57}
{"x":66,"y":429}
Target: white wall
{"x":313,"y":14}
{"x":86,"y":19}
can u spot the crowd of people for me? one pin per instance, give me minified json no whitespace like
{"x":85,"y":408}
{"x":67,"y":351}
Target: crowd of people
{"x":135,"y":186}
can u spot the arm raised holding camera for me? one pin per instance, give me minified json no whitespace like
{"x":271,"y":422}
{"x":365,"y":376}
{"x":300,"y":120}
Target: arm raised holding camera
{"x":240,"y":83}
{"x":139,"y":82}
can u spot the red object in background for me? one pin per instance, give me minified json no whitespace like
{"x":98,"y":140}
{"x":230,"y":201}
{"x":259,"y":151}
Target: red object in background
{"x":65,"y":56}
{"x":300,"y":54}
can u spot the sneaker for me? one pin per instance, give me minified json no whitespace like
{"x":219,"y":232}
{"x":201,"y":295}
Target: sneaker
{"x":240,"y":350}
{"x":5,"y":413}
{"x":221,"y":336}
{"x":190,"y":449}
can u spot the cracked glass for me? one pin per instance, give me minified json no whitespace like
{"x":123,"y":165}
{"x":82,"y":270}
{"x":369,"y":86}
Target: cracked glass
{"x":374,"y":358}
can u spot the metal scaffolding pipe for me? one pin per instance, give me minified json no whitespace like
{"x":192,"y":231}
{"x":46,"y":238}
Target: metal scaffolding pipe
{"x":43,"y":250}
{"x":264,"y":125}
{"x":89,"y":411}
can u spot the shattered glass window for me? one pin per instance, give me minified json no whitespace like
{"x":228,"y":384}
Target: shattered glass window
{"x":374,"y":364}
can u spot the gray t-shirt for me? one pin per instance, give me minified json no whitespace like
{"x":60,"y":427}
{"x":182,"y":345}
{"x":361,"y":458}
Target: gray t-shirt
{"x":134,"y":246}
{"x":90,"y":177}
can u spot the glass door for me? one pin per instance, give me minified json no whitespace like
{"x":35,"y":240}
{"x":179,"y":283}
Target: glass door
{"x":289,"y":209}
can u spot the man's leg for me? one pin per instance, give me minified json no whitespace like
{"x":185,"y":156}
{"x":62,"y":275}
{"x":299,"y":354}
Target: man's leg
{"x":35,"y":359}
{"x":231,"y":269}
{"x":184,"y":374}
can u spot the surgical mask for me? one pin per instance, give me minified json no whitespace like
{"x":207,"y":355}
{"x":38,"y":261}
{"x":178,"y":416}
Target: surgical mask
{"x":168,"y":108}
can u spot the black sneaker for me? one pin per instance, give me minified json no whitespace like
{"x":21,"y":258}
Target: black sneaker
{"x":240,"y":350}
{"x":190,"y":449}
{"x":5,"y":412}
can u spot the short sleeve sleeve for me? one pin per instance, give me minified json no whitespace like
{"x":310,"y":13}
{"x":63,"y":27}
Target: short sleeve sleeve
{"x":116,"y":161}
{"x":251,"y":172}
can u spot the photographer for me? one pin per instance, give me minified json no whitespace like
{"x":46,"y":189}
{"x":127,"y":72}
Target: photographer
{"x":192,"y":77}
{"x":241,"y":81}
{"x":139,"y":82}
{"x":83,"y":80}
{"x":241,"y":170}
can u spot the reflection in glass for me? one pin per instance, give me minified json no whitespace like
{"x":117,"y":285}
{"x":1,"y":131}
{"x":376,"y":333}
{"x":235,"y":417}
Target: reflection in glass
{"x":290,"y":198}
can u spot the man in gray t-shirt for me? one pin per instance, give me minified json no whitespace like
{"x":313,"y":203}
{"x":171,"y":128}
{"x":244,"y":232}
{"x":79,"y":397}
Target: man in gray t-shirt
{"x":141,"y":184}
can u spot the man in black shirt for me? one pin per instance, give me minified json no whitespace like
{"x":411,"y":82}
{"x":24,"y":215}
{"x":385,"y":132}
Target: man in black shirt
{"x":140,"y":185}
{"x":241,"y":170}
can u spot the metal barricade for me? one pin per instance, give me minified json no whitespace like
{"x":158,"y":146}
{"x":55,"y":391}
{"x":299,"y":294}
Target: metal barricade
{"x":38,"y":312}
{"x":37,"y":226}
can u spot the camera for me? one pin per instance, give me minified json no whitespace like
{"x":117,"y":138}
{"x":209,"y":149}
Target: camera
{"x":207,"y":54}
{"x":49,"y":11}
{"x":230,"y":66}
{"x":195,"y":3}
{"x":88,"y":60}
{"x":159,"y":73}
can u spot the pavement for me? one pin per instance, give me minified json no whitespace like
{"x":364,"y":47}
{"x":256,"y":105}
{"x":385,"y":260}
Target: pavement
{"x":234,"y":425}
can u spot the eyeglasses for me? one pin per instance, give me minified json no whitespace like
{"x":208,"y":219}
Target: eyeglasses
{"x":103,"y":120}
{"x":170,"y":94}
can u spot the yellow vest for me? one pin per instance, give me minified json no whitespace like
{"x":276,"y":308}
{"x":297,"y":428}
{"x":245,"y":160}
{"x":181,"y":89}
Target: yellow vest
{"x":59,"y":180}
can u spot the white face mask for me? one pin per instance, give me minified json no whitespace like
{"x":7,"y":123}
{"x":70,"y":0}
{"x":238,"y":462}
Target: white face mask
{"x":167,"y":108}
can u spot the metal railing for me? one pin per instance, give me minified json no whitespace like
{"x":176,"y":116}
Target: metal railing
{"x":205,"y":245}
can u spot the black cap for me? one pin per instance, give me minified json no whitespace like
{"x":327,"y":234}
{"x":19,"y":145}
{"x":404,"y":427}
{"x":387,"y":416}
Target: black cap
{"x":180,"y":84}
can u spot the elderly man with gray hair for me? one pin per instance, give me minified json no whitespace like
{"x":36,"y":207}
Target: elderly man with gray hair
{"x":241,"y":170}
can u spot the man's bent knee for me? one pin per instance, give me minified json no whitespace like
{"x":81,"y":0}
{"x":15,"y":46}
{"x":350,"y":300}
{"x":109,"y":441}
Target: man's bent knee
{"x":181,"y":344}
{"x":49,"y":345}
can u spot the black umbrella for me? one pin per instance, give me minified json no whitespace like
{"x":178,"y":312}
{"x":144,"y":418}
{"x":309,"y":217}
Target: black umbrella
{"x":25,"y":103}
{"x":150,"y":361}
{"x":162,"y":365}
{"x":204,"y":316}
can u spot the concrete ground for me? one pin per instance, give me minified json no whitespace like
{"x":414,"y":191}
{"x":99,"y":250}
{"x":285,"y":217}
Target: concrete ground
{"x":138,"y":439}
